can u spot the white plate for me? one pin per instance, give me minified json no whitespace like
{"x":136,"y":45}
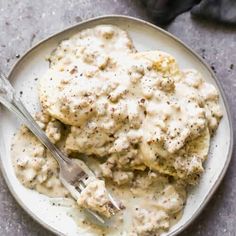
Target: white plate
{"x":145,"y":37}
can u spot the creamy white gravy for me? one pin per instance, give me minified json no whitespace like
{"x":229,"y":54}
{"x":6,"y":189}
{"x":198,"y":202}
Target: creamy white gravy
{"x":144,"y":123}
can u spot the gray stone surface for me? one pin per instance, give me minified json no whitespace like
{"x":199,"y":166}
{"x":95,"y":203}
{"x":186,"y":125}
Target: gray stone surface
{"x":25,"y":22}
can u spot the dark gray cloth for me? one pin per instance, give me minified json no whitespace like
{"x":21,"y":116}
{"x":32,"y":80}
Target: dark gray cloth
{"x":163,"y":11}
{"x":218,"y":10}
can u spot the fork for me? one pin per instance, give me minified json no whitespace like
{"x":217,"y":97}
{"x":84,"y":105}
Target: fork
{"x":74,"y":173}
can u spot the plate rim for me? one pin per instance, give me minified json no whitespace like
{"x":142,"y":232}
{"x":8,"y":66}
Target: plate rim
{"x":214,"y":77}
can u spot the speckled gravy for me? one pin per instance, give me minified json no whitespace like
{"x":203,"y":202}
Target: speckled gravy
{"x":143,"y":122}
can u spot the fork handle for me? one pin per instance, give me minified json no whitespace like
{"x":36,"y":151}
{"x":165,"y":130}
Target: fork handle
{"x":17,"y":107}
